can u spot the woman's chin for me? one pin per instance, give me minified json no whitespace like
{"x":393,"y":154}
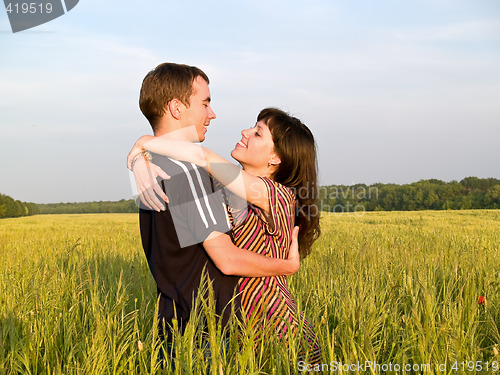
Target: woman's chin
{"x":235,"y":156}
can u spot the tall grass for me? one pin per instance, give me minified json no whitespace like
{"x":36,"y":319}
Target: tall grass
{"x":76,"y":297}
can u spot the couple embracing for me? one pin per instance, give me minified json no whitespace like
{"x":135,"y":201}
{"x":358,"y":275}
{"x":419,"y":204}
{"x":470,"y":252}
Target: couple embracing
{"x":239,"y":225}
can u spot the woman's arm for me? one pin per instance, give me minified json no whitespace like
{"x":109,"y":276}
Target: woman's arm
{"x":245,"y":185}
{"x":232,"y":260}
{"x":145,"y":174}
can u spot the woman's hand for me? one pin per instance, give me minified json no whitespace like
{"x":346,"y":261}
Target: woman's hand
{"x":293,"y":252}
{"x":138,"y":148}
{"x":145,"y":174}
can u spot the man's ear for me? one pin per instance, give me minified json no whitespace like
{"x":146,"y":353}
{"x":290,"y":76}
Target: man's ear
{"x":174,"y":107}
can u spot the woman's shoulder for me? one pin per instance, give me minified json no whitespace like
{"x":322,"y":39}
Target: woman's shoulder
{"x":278,"y":189}
{"x":282,"y":207}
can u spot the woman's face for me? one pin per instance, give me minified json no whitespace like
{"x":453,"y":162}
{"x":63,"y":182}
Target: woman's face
{"x":256,"y":147}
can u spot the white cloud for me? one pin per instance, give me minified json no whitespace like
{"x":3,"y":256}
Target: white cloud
{"x":372,"y":92}
{"x":465,"y":31}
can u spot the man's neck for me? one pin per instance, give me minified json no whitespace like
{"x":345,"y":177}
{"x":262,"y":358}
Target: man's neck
{"x":176,"y":131}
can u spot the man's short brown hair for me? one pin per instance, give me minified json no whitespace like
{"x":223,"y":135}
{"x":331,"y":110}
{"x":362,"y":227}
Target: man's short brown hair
{"x":166,"y":82}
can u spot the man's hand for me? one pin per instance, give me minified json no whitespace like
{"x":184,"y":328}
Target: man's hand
{"x":293,"y":252}
{"x":232,"y":260}
{"x":145,"y":174}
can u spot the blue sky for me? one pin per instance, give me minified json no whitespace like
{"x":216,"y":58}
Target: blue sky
{"x":394,"y":91}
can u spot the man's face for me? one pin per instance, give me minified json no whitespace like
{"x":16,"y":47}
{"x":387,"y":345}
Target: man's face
{"x":199,"y":113}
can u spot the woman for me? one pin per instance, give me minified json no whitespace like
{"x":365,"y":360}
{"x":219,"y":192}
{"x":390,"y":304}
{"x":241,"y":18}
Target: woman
{"x":278,"y":180}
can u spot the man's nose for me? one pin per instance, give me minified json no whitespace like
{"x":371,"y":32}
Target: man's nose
{"x":211,"y":114}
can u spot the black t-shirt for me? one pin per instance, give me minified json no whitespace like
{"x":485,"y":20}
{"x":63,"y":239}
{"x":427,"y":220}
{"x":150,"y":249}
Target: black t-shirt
{"x":172,"y":240}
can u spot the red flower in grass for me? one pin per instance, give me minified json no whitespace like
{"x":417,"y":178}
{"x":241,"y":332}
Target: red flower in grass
{"x":481,"y":300}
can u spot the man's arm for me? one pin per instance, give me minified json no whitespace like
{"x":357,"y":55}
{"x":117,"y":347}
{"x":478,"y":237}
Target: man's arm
{"x":232,"y":260}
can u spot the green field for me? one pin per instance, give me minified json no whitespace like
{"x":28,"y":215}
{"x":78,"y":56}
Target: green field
{"x":392,"y":288}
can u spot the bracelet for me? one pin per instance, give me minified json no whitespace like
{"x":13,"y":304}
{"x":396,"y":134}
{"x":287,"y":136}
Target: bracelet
{"x":145,"y":154}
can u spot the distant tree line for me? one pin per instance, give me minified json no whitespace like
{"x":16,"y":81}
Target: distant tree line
{"x":469,"y":193}
{"x":121,"y":206}
{"x":14,"y":208}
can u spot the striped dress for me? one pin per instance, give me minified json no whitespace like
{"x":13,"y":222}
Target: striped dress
{"x":267,"y":299}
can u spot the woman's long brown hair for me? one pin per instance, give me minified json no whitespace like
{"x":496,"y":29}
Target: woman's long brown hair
{"x":294,"y":144}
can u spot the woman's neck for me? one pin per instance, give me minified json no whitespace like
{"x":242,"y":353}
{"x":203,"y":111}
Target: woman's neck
{"x":260,"y":172}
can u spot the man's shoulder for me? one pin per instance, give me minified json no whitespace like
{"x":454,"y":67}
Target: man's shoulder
{"x":185,"y":178}
{"x":180,"y":169}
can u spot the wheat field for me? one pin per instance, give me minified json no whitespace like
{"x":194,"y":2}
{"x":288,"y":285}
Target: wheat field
{"x":387,"y":292}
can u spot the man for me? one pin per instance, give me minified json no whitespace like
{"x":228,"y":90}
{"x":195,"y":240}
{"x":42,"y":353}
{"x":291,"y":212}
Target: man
{"x":189,"y":234}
